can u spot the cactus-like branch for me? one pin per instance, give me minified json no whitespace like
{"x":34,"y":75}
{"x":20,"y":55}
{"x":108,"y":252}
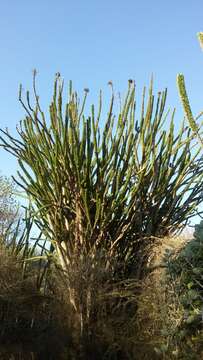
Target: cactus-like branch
{"x":106,"y":186}
{"x":186,"y":106}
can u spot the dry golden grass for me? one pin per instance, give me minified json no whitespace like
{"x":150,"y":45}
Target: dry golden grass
{"x":129,"y":319}
{"x":30,"y":327}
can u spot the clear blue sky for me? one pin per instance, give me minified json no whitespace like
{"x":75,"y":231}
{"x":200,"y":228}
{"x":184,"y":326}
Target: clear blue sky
{"x":92,"y":42}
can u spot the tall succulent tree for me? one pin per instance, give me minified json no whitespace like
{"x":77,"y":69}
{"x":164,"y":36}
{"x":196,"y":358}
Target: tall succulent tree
{"x":102,"y":193}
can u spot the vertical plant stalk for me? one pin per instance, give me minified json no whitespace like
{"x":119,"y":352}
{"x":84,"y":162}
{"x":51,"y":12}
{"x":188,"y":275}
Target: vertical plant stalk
{"x":186,"y":106}
{"x":185,"y":101}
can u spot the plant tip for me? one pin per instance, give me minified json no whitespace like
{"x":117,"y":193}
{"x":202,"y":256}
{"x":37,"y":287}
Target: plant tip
{"x":200,"y":38}
{"x":34,"y":71}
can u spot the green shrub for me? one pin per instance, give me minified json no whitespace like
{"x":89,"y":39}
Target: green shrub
{"x":185,"y":273}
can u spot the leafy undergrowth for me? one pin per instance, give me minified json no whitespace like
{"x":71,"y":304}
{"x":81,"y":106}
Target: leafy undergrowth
{"x":185,"y":274}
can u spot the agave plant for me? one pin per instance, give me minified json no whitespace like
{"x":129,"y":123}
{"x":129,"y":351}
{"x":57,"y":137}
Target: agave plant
{"x":102,"y":192}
